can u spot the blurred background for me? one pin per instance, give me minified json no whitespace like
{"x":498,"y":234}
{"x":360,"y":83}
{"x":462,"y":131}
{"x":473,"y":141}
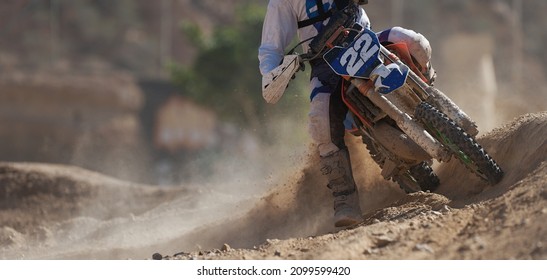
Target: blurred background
{"x":168,"y":92}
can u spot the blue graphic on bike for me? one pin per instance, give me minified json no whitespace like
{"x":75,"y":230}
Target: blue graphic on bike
{"x":361,"y":59}
{"x":390,"y":77}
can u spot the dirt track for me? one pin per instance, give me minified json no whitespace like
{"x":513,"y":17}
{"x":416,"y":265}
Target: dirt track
{"x":60,"y":212}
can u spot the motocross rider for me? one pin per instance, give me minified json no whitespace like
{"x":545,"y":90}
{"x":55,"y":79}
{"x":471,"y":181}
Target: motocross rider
{"x":306,"y":18}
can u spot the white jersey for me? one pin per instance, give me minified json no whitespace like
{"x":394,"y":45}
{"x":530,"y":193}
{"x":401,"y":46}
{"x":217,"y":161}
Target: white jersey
{"x":281,"y":26}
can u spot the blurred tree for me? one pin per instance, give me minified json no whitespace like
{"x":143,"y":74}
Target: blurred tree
{"x":225,"y":75}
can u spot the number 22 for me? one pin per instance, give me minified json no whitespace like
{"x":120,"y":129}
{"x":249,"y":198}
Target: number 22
{"x":353,"y":59}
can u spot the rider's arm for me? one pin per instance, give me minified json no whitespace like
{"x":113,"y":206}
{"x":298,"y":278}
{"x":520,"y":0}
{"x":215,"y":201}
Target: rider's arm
{"x":280,"y":27}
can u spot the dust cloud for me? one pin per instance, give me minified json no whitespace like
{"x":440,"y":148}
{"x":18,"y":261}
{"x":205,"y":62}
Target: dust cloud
{"x":102,"y":217}
{"x":293,"y":221}
{"x":264,"y":195}
{"x":63,"y":212}
{"x":257,"y":192}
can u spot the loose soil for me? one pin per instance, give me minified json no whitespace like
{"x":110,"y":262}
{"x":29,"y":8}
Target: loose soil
{"x":64,"y":212}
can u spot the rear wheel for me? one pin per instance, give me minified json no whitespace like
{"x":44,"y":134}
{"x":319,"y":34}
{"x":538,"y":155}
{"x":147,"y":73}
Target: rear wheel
{"x":462,"y":145}
{"x":424,"y":175}
{"x":418,"y":178}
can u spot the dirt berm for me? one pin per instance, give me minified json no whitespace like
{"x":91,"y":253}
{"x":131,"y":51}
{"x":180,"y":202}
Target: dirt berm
{"x":61,"y":212}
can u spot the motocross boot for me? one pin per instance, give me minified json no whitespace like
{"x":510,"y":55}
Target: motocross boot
{"x":337,"y":168}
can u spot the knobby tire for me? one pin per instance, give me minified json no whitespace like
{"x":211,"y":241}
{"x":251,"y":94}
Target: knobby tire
{"x":463,"y":146}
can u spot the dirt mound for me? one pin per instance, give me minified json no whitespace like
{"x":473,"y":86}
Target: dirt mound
{"x":38,"y":200}
{"x":61,"y":212}
{"x":467,"y":219}
{"x":519,"y":147}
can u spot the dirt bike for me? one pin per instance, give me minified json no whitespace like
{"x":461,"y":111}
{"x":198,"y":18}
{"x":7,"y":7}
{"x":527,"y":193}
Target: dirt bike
{"x":404,"y":122}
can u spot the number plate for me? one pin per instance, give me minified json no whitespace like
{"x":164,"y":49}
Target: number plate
{"x":359,"y":59}
{"x":362,"y":60}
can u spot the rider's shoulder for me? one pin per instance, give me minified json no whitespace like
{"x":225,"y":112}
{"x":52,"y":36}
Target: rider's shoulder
{"x":279,"y":2}
{"x":284,"y":6}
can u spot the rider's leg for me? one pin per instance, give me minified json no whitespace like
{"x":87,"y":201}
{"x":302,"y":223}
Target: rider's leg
{"x":327,"y":130}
